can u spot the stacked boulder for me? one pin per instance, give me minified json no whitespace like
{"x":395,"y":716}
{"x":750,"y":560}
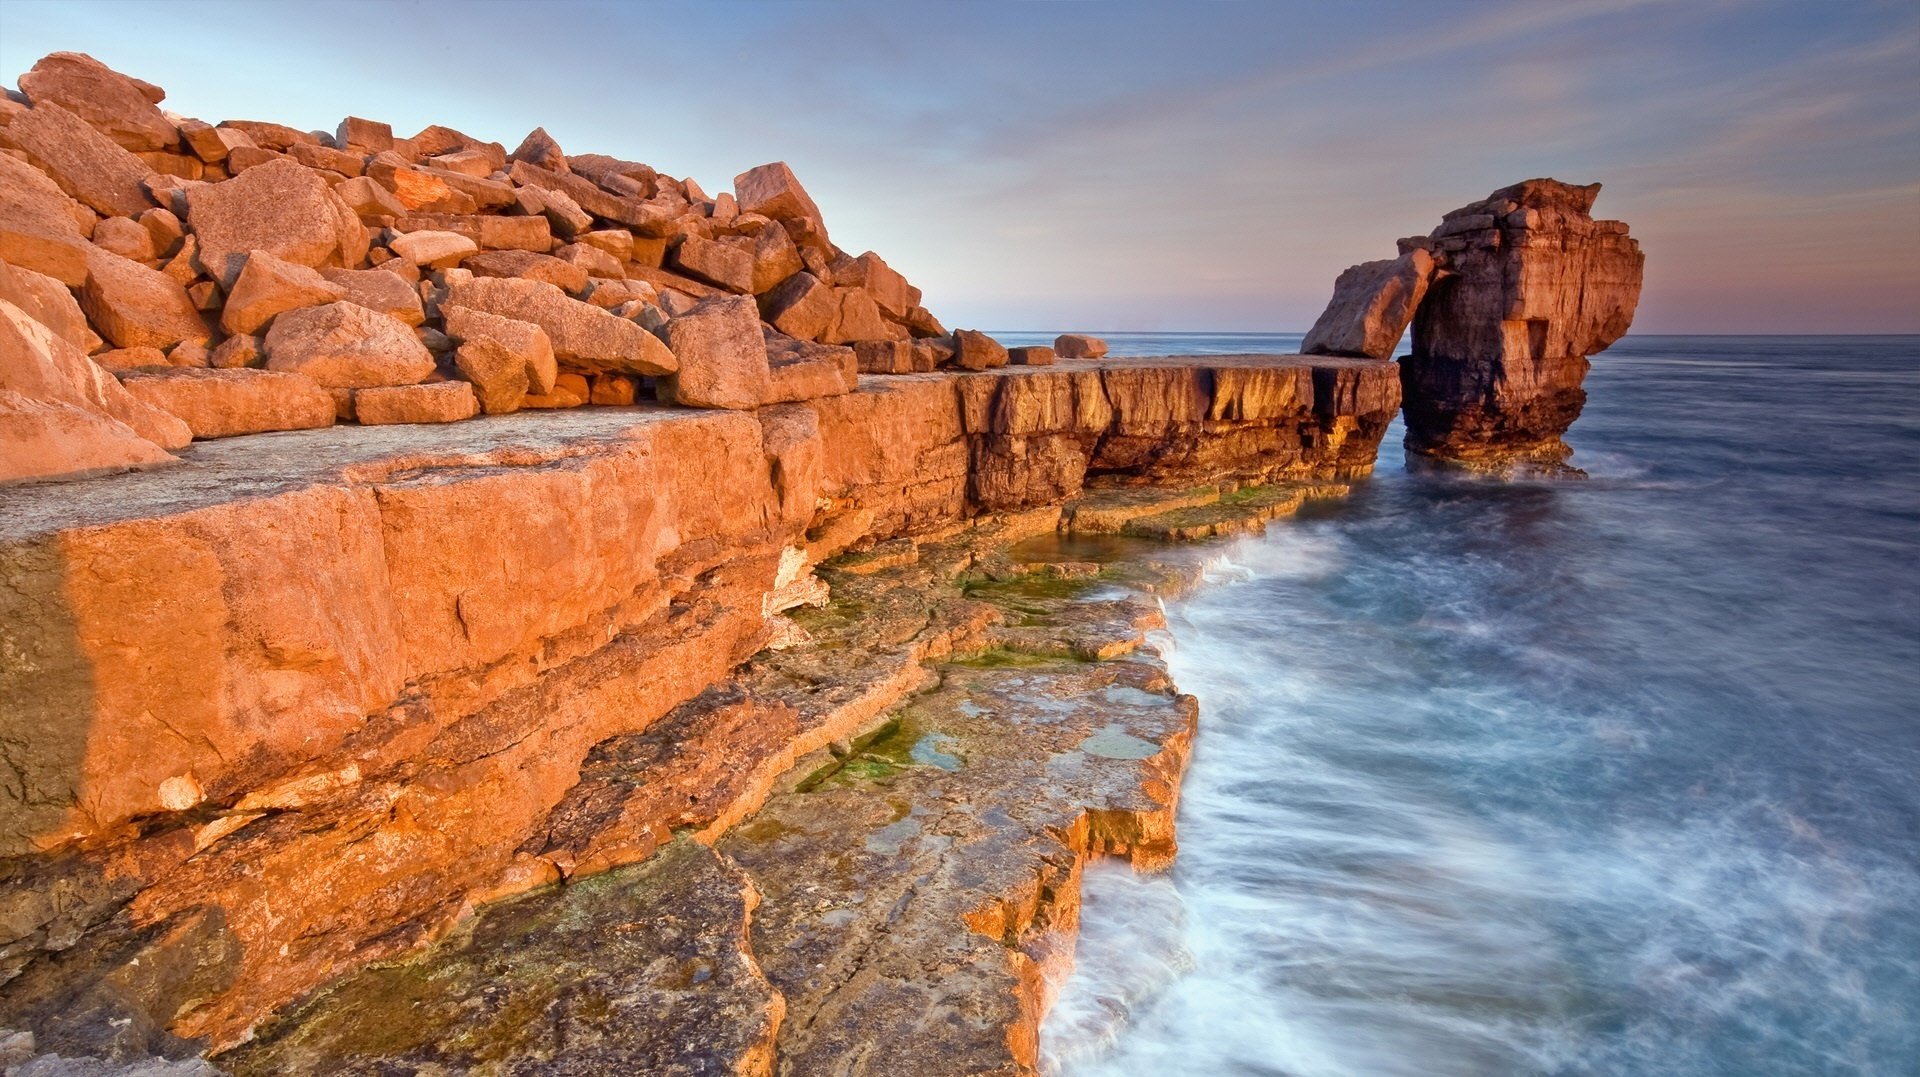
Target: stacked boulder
{"x":1507,"y":299}
{"x":246,"y":276}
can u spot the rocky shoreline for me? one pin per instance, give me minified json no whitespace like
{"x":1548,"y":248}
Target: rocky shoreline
{"x":480,"y":611}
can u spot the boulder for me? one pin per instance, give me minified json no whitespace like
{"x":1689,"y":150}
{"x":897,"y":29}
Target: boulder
{"x":884,"y":356}
{"x":140,"y":358}
{"x":775,"y":259}
{"x":614,"y":390}
{"x":890,"y":291}
{"x":804,"y":370}
{"x":558,"y":272}
{"x":280,"y":207}
{"x":1032,"y":355}
{"x":437,"y":402}
{"x":269,"y":285}
{"x":347,"y":346}
{"x":524,"y":339}
{"x":1372,"y":305}
{"x":569,"y":391}
{"x":378,"y":289}
{"x":436,"y":249}
{"x":498,"y":374}
{"x":773,"y":191}
{"x":715,"y":263}
{"x":974,"y":350}
{"x":119,"y":107}
{"x":61,"y":414}
{"x":368,"y":199}
{"x":857,"y":317}
{"x":213,"y":144}
{"x":592,"y":260}
{"x":124,"y":237}
{"x":133,"y":306}
{"x":539,"y":148}
{"x":49,"y":302}
{"x":363,"y":136}
{"x":223,"y":403}
{"x":1079,"y":346}
{"x":85,"y":163}
{"x":235,"y":352}
{"x":722,"y":356}
{"x":583,"y":335}
{"x":41,"y":228}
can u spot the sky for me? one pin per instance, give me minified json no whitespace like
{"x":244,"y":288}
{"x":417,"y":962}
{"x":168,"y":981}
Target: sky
{"x":1167,"y":166}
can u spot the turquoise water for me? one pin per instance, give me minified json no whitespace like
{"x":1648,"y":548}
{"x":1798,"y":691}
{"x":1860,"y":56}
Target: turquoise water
{"x":1613,"y":776}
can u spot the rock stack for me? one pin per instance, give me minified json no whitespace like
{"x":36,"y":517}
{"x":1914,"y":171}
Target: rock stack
{"x":244,"y":277}
{"x":1507,"y":298}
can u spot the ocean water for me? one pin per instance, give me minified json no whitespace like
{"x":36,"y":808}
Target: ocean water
{"x":1606,"y":776}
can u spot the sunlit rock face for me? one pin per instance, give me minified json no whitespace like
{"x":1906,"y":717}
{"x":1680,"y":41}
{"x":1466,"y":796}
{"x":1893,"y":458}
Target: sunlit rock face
{"x":1529,"y":286}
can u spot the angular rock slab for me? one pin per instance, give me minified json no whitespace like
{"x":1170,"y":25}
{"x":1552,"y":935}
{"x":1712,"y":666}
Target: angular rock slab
{"x":1373,"y":303}
{"x":280,"y":207}
{"x":642,"y":970}
{"x":223,"y":403}
{"x":722,"y":354}
{"x":120,"y":107}
{"x":583,"y":335}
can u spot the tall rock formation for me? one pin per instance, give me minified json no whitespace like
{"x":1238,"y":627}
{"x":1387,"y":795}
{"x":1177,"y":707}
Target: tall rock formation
{"x":1510,"y":295}
{"x":1534,"y":285}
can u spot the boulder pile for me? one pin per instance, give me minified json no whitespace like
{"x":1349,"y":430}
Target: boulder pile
{"x":235,"y":274}
{"x":1507,"y":298}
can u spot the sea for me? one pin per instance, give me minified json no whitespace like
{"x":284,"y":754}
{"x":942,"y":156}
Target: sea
{"x":1607,"y":775}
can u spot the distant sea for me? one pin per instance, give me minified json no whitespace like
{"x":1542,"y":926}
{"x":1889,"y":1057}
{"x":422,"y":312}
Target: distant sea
{"x":1607,"y":776}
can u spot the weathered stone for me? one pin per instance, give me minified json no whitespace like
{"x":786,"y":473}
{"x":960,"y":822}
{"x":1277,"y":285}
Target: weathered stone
{"x":280,"y":207}
{"x":775,"y":259}
{"x":646,"y":218}
{"x":1373,"y":303}
{"x":237,"y":352}
{"x":114,"y":104}
{"x":212,"y":144}
{"x":345,"y":345}
{"x":558,"y":272}
{"x":435,"y":402}
{"x":1079,"y":346}
{"x":617,"y":242}
{"x":608,"y":939}
{"x":539,"y":148}
{"x":436,"y":249}
{"x":363,"y":136}
{"x":377,"y":289}
{"x":165,"y":230}
{"x":124,"y":236}
{"x":268,"y":286}
{"x":974,"y":350}
{"x":722,"y":356}
{"x":570,"y":390}
{"x":328,"y":159}
{"x":804,"y":370}
{"x":858,"y":318}
{"x":119,"y":359}
{"x":277,"y":137}
{"x":890,"y":290}
{"x":225,"y":402}
{"x":592,"y":260}
{"x":61,"y":415}
{"x":1032,"y":355}
{"x":47,"y":301}
{"x":498,"y":374}
{"x":85,"y":163}
{"x":583,"y":335}
{"x":614,"y":390}
{"x":525,"y":340}
{"x":40,"y":227}
{"x":1500,"y":343}
{"x":715,"y":263}
{"x":132,"y":305}
{"x":773,"y":191}
{"x":884,"y":356}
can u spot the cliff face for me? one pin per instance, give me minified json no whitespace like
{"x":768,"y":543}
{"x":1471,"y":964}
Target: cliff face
{"x":302,"y":701}
{"x":1507,"y":299}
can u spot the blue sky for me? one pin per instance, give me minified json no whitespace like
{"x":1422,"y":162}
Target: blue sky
{"x":1152,"y":166}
